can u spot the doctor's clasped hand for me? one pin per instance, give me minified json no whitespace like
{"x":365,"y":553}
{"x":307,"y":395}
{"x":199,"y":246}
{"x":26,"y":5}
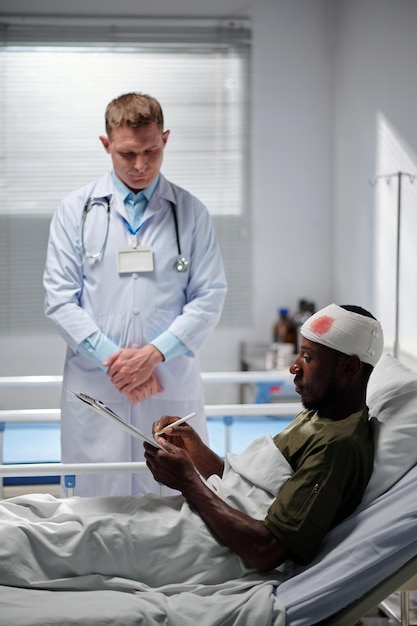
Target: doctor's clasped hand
{"x":131,"y":371}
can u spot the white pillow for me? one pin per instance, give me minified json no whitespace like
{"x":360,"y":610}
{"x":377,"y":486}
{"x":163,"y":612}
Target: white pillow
{"x":392,"y":402}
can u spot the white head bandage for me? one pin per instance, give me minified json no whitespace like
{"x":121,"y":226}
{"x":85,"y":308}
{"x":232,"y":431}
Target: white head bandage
{"x":347,"y":332}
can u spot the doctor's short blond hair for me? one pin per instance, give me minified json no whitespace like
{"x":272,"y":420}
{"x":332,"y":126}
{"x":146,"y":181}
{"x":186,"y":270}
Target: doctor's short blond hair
{"x":134,"y":110}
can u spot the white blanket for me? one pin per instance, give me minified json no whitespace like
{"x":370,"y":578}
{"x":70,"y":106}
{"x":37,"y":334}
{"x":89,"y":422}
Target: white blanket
{"x":230,"y":604}
{"x":154,"y":546}
{"x":362,"y":551}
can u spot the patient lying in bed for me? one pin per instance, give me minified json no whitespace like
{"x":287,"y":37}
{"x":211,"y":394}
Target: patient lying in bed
{"x":273,"y":503}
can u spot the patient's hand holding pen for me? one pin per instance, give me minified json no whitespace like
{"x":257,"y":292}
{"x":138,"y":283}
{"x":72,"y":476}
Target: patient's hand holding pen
{"x":175,"y":424}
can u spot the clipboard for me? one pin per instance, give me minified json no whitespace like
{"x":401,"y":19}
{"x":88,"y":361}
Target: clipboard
{"x":100,"y":407}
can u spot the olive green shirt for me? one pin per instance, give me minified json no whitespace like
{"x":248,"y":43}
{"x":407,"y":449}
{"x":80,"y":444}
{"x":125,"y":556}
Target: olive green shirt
{"x":332,"y":462}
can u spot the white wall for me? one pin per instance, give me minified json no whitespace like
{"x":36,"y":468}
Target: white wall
{"x":375,"y":132}
{"x":322,"y":71}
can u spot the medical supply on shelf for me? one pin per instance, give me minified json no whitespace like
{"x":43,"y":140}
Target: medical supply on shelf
{"x":305,"y":310}
{"x":284,"y":329}
{"x":282,"y":349}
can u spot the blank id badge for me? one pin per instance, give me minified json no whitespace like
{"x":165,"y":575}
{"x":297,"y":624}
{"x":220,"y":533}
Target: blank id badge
{"x":138,"y":259}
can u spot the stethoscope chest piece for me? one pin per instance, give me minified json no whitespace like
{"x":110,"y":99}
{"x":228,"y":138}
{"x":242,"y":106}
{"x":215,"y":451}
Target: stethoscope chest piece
{"x":181,"y":264}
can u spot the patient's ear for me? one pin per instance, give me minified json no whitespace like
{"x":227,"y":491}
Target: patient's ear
{"x":352,"y":364}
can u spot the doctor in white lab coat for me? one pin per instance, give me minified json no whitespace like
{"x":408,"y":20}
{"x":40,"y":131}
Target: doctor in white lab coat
{"x":132,"y":322}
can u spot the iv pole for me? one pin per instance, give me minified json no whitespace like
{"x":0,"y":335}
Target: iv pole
{"x":388,"y":178}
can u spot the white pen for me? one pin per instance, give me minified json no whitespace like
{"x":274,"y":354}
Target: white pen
{"x":175,"y":424}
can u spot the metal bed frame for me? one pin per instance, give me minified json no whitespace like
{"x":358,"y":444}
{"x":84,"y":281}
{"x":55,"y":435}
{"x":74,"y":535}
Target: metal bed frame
{"x":403,"y":580}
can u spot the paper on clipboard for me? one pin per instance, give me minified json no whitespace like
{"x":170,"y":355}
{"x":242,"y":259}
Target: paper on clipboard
{"x":100,"y":407}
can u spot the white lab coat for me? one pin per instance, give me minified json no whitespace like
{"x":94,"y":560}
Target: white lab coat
{"x":84,"y":295}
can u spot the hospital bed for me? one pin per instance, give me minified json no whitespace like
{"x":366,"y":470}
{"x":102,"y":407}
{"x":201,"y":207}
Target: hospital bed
{"x":363,"y":560}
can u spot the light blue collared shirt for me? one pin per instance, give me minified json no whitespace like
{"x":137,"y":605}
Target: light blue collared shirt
{"x":98,"y":347}
{"x":135,"y":203}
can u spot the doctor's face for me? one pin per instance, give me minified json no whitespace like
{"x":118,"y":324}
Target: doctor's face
{"x":136,"y":153}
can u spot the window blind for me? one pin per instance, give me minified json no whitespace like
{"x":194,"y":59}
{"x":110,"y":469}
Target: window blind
{"x":57,"y":76}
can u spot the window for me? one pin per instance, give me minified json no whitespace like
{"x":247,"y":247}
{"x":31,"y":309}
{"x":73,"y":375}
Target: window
{"x":56,"y":78}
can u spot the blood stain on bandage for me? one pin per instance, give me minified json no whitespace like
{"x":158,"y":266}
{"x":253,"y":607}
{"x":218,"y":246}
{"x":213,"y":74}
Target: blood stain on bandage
{"x":322,"y":324}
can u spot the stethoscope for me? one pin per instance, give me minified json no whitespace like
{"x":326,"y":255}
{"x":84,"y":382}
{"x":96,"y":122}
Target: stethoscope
{"x":104,"y":202}
{"x":181,"y":264}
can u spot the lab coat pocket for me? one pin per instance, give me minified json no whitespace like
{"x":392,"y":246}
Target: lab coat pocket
{"x":116,"y":326}
{"x":159,"y":321}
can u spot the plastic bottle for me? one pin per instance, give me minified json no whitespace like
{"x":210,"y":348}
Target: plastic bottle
{"x":305,"y":310}
{"x":284,"y":328}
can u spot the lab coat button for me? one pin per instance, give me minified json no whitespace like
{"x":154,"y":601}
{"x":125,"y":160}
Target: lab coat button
{"x":135,"y":275}
{"x":136,"y":310}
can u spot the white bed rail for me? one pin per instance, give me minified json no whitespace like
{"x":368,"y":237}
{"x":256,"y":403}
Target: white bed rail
{"x":240,"y":378}
{"x":69,"y":471}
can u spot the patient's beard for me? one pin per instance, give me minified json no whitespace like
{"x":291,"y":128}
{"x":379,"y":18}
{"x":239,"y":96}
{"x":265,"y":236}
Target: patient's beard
{"x":328,"y":397}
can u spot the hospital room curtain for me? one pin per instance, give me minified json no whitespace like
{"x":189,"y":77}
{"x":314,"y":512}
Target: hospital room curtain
{"x":56,"y":78}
